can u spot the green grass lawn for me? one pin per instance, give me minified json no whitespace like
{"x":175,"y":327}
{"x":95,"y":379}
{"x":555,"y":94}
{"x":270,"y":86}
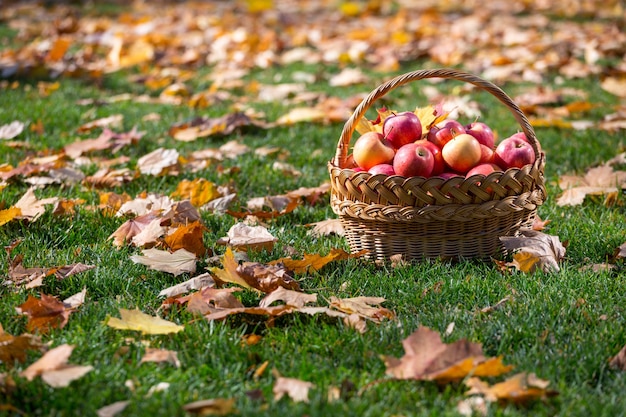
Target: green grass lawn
{"x":562,"y":326}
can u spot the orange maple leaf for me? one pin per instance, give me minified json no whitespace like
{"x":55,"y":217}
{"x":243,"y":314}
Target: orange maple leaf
{"x":315,"y":262}
{"x":13,"y":348}
{"x":519,"y":389}
{"x":45,"y":313}
{"x":189,"y":237}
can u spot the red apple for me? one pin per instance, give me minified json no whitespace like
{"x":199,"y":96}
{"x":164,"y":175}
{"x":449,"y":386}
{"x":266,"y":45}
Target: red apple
{"x":414,"y":160}
{"x":402,"y":128}
{"x":514,"y":152}
{"x":484,"y":169}
{"x":482,"y":133}
{"x":385,"y":169}
{"x":522,"y":136}
{"x":372,"y":149}
{"x":440,"y":165}
{"x":462,"y":153}
{"x":444,"y":131}
{"x":486,"y":154}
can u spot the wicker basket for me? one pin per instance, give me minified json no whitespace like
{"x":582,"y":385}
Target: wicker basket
{"x":434,"y":217}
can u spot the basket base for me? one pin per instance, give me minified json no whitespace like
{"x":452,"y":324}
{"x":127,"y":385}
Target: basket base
{"x":479,"y":238}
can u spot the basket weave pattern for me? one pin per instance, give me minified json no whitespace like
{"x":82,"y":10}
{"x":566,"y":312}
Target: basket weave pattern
{"x":433,"y":217}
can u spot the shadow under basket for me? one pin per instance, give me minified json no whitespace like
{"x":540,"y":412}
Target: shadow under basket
{"x":434,"y":217}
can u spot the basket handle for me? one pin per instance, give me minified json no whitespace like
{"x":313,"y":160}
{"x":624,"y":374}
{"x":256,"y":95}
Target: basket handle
{"x":348,"y":129}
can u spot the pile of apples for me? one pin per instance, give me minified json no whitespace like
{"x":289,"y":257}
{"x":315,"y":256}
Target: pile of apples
{"x":445,"y":149}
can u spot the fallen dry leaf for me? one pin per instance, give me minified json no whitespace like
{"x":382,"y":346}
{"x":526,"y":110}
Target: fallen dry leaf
{"x":131,"y":228}
{"x":31,"y":207}
{"x":539,"y":224}
{"x":619,"y":361}
{"x":199,"y":191}
{"x":348,"y":76}
{"x":296,"y":299}
{"x":114,"y":120}
{"x":314,"y":262}
{"x":326,"y":227}
{"x":244,"y":237}
{"x":265,"y":278}
{"x":11,"y":130}
{"x":145,"y":204}
{"x":149,"y":235}
{"x":14,"y":348}
{"x":518,"y":389}
{"x":296,"y":389}
{"x":195,"y":283}
{"x":109,"y":178}
{"x":44,"y":313}
{"x":534,"y":249}
{"x":274,"y":202}
{"x":219,"y":205}
{"x":201,"y":127}
{"x":161,"y":355}
{"x":107,"y":141}
{"x":72,"y":269}
{"x":110,"y":202}
{"x":29,"y":277}
{"x":158,"y":162}
{"x":208,"y":300}
{"x":112,"y":409}
{"x":9,"y":214}
{"x":615,"y":85}
{"x":301,"y":115}
{"x":175,"y":263}
{"x":76,"y":300}
{"x":291,"y":205}
{"x":286,"y":169}
{"x":189,"y":237}
{"x":366,"y":307}
{"x":472,"y":406}
{"x":311,"y":194}
{"x":62,"y":377}
{"x":53,"y":368}
{"x":596,"y":181}
{"x":212,"y":407}
{"x":428,"y":358}
{"x":146,"y":324}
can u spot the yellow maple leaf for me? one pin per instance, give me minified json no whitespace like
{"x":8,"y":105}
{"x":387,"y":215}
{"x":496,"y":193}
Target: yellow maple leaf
{"x":525,"y":261}
{"x":229,"y":273}
{"x":9,"y":214}
{"x":198,"y":191}
{"x":428,"y":116}
{"x":146,"y":324}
